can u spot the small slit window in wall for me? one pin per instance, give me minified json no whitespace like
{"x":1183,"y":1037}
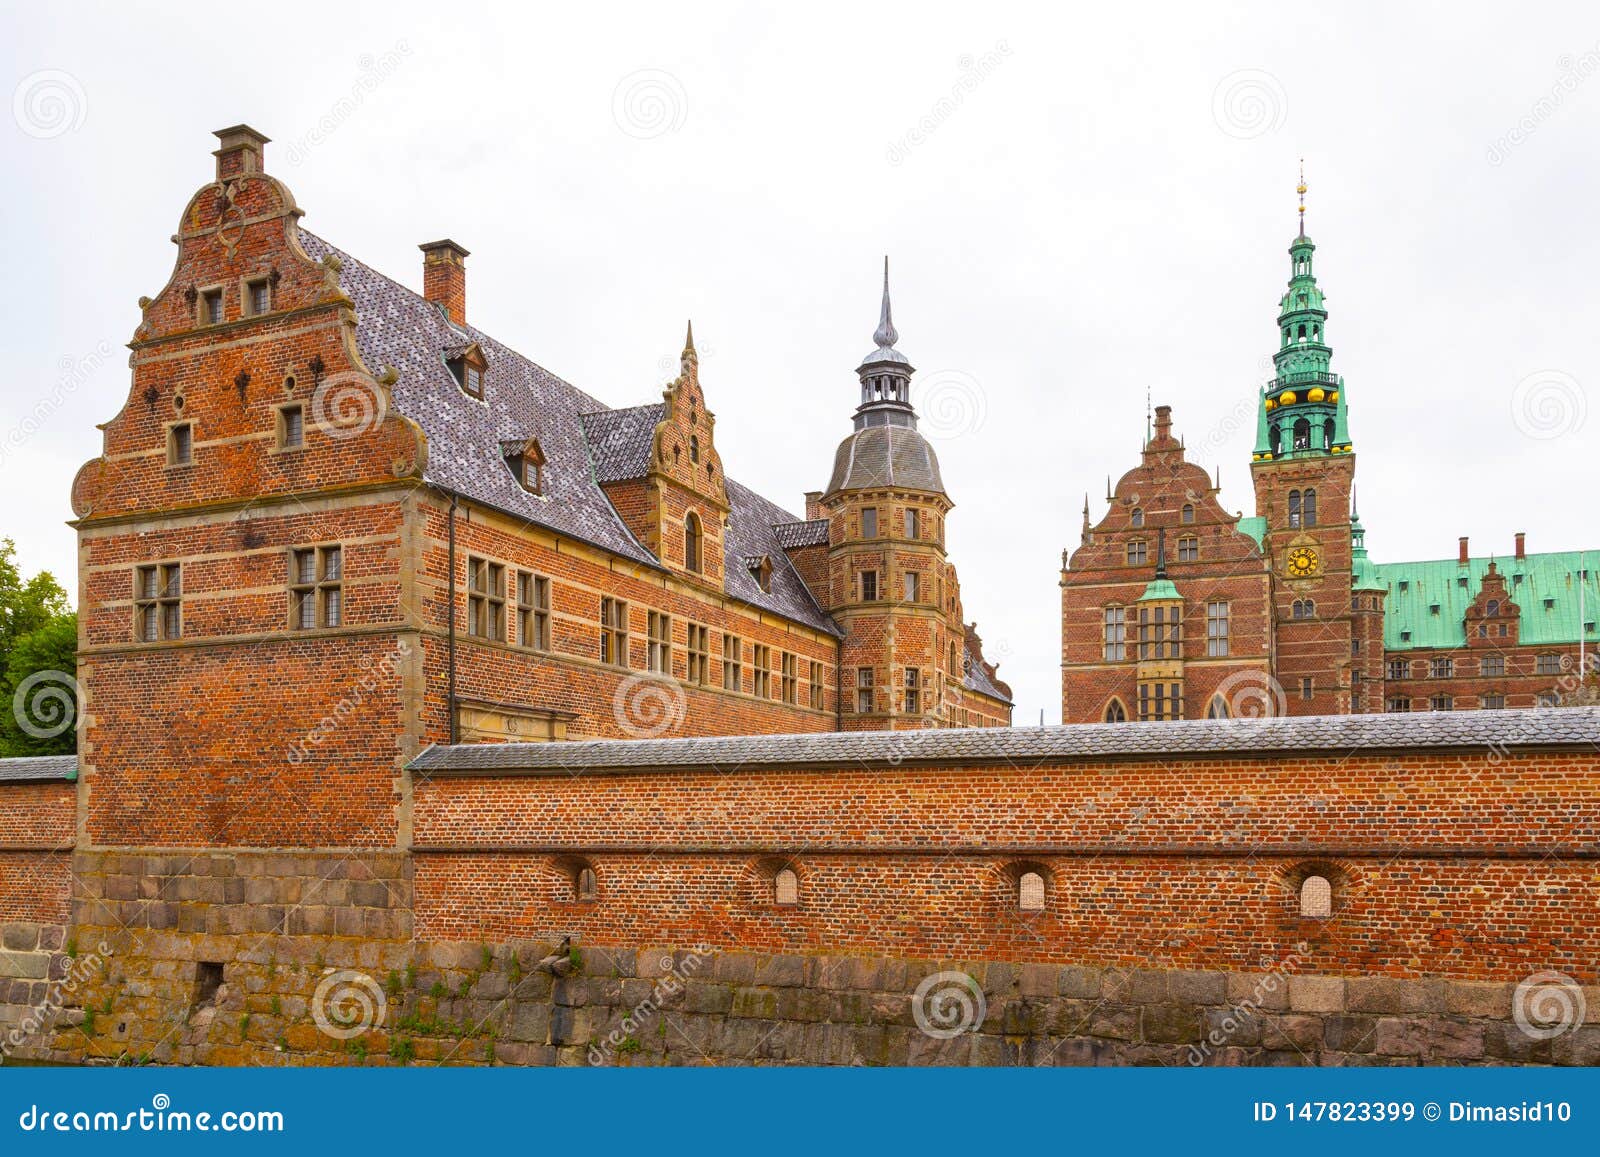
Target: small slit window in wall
{"x":786,"y":888}
{"x":258,"y":296}
{"x":211,"y":307}
{"x":585,"y":886}
{"x":1030,"y":892}
{"x":180,"y":444}
{"x":291,"y":427}
{"x":1316,"y":897}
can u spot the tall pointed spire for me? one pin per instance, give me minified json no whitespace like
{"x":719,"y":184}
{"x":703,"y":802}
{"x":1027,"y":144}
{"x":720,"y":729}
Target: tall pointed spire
{"x":1161,"y":553}
{"x":885,"y":373}
{"x":1301,"y":189}
{"x":886,"y":334}
{"x":688,"y":338}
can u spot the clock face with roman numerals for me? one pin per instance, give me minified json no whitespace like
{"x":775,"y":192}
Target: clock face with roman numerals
{"x":1303,"y":562}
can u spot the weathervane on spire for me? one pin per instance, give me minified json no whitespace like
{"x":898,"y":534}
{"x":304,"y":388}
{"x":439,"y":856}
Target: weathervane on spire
{"x":1301,"y":189}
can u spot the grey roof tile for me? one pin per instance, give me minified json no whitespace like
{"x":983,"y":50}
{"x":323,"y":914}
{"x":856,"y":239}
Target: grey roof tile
{"x":38,"y":768}
{"x":792,"y":535}
{"x":1486,"y":731}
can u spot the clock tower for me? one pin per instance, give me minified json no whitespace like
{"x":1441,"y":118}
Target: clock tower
{"x":1303,"y":468}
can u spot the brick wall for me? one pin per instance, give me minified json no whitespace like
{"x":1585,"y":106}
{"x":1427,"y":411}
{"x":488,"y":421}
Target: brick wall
{"x":1190,"y":863}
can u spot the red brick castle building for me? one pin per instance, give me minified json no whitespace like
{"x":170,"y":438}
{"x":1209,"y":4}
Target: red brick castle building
{"x":1172,"y":608}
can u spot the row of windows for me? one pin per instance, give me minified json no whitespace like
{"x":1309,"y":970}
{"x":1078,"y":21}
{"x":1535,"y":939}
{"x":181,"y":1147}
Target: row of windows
{"x":920,"y":693}
{"x":255,"y":300}
{"x":1137,"y":552}
{"x":315,"y":588}
{"x":1029,"y":890}
{"x":290,"y":435}
{"x":1160,"y":631}
{"x":1136,"y":516}
{"x":917,"y":523}
{"x":913,"y":587}
{"x":1159,"y":699}
{"x":486,"y":619}
{"x":1494,"y":702}
{"x":1447,"y":667}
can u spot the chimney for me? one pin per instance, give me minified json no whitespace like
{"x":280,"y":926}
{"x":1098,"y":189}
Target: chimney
{"x":814,"y":505}
{"x":444,"y":277}
{"x":1522,"y":545}
{"x":242,"y":150}
{"x":1463,"y":558}
{"x":1163,"y":424}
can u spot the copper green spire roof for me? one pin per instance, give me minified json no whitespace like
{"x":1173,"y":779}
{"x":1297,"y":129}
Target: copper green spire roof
{"x":1302,"y":411}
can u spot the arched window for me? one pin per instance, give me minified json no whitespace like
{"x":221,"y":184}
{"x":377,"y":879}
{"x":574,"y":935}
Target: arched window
{"x":1030,"y":892}
{"x":1294,"y":510}
{"x":584,"y":884}
{"x":694,"y":447}
{"x":1116,"y":712}
{"x":1138,"y":516}
{"x":1274,"y":440}
{"x":786,"y":887}
{"x":1302,"y":434}
{"x":1218,"y":708}
{"x":1188,"y":512}
{"x":1492,"y":607}
{"x":1327,"y":434}
{"x":1316,"y":897}
{"x":1309,"y":508}
{"x":1303,"y":609}
{"x":691,"y":542}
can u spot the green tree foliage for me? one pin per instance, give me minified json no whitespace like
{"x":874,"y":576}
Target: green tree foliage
{"x":38,"y":646}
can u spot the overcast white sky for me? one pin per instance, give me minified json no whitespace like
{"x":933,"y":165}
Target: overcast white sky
{"x":1078,"y":203}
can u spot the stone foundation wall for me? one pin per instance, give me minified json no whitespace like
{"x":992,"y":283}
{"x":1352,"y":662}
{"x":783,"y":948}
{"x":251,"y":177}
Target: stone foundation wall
{"x":277,"y":959}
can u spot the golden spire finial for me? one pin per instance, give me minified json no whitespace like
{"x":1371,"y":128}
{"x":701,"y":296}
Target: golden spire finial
{"x":1301,"y":189}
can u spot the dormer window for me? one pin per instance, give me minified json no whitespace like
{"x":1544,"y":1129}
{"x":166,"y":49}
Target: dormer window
{"x":526,"y":461}
{"x":469,"y":365}
{"x":761,"y":571}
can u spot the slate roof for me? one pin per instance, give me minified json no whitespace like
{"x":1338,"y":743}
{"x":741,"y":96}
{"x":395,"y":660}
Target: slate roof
{"x":584,"y":441}
{"x":793,"y":535}
{"x":1551,"y":577}
{"x":39,"y":769}
{"x":1482,"y":731}
{"x":881,"y":456}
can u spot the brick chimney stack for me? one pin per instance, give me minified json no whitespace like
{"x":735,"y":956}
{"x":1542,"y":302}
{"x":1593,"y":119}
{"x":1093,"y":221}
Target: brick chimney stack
{"x":1463,"y":558}
{"x":242,"y":150}
{"x":1522,"y":545}
{"x":813,"y":505}
{"x":444,"y":277}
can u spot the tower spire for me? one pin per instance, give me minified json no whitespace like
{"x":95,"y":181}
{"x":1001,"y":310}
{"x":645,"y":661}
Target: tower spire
{"x":886,"y":334}
{"x":1161,"y":553}
{"x":1301,"y":189}
{"x":688,"y":339}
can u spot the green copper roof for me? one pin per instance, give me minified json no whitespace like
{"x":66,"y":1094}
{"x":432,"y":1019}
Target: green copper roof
{"x":1160,"y":590}
{"x":1547,"y":592}
{"x":1256,"y":527}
